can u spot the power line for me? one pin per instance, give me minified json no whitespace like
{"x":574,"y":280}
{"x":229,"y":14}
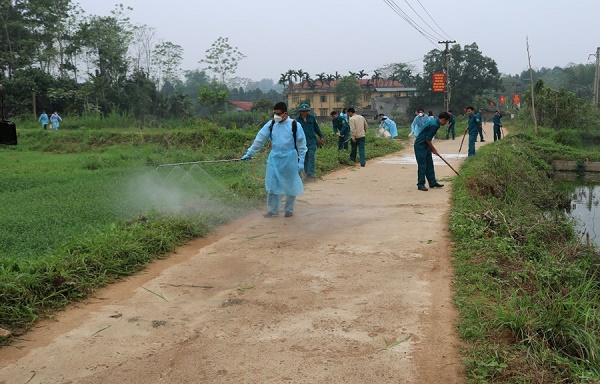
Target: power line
{"x":441,"y":29}
{"x":407,"y":18}
{"x":423,"y":20}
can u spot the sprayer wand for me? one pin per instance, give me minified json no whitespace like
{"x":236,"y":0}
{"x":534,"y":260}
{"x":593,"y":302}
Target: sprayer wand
{"x":198,"y":162}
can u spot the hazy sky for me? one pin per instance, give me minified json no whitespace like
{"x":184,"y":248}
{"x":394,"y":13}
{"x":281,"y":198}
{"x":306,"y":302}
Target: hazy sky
{"x":351,"y":35}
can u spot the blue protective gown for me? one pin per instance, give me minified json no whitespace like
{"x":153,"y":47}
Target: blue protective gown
{"x":418,"y":123}
{"x":282,"y":176}
{"x":390,"y":126}
{"x":44,"y":120}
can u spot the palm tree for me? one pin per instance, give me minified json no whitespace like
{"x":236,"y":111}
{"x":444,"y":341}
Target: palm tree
{"x":283,"y":80}
{"x":305,"y":78}
{"x":322,"y":78}
{"x":291,"y":75}
{"x":376,"y":77}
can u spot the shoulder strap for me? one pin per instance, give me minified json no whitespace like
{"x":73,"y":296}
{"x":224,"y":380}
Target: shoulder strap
{"x":294,"y":130}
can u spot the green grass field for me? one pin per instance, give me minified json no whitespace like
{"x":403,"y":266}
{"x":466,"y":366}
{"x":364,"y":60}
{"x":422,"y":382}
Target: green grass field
{"x":83,"y":207}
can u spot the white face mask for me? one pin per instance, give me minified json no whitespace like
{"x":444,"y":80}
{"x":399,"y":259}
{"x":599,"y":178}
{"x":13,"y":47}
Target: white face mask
{"x":277,"y":118}
{"x":421,"y":114}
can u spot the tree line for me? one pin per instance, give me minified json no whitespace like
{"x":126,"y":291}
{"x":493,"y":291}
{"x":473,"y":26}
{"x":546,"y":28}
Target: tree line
{"x":54,"y":56}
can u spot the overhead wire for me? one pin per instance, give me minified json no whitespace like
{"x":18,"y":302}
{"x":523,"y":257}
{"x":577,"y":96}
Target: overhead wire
{"x":392,"y":4}
{"x":439,"y":36}
{"x":432,"y":36}
{"x":432,"y":19}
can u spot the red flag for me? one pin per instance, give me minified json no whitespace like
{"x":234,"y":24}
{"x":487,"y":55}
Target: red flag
{"x":502,"y":99}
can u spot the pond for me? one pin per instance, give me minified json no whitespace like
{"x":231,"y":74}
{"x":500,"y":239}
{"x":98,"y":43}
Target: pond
{"x":586,"y":212}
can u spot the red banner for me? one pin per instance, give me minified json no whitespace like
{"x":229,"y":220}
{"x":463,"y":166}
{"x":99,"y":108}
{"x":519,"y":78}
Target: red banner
{"x":516,"y":98}
{"x":502,"y":99}
{"x":439,"y":82}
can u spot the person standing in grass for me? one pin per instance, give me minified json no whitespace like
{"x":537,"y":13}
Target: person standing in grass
{"x":358,"y":131}
{"x":56,"y":119}
{"x":44,"y":120}
{"x":341,"y":129}
{"x":311,"y":131}
{"x":388,"y":125}
{"x":286,"y":160}
{"x":424,"y":149}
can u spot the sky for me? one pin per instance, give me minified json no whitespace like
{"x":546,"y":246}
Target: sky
{"x":351,"y":35}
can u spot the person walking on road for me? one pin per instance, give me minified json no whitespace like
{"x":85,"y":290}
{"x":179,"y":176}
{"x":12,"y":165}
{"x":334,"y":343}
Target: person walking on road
{"x":480,"y":127}
{"x":424,"y":149}
{"x":497,"y":125}
{"x":285,"y":160}
{"x":342,"y":130}
{"x":311,"y":131}
{"x":358,"y":131}
{"x":418,"y":123}
{"x":450,"y":129}
{"x":473,"y":129}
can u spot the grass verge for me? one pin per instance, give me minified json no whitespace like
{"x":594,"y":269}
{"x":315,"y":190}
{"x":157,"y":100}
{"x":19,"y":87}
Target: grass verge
{"x":526,"y":288}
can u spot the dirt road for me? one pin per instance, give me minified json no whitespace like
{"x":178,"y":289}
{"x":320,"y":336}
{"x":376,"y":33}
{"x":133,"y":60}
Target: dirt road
{"x":355,"y":288}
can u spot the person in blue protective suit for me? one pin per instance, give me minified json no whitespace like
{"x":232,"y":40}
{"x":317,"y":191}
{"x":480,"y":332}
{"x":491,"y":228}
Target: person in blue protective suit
{"x":497,"y":125}
{"x":418,"y":122}
{"x":311,"y":131}
{"x":473,"y":129}
{"x":424,"y":149}
{"x":56,"y":119}
{"x":388,"y":125}
{"x":285,"y":160}
{"x":341,"y":128}
{"x":344,"y":114}
{"x":450,"y":129}
{"x":44,"y":120}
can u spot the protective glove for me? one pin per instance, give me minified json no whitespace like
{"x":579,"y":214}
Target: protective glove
{"x":300,"y":167}
{"x":246,"y":157}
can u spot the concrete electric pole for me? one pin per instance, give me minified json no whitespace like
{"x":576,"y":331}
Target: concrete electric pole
{"x":596,"y":76}
{"x":447,"y":77}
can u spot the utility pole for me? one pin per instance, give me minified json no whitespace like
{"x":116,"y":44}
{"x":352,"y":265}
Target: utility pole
{"x":447,"y":77}
{"x":596,"y":76}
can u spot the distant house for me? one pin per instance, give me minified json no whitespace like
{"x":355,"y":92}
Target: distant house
{"x":241,"y":106}
{"x":381,"y":95}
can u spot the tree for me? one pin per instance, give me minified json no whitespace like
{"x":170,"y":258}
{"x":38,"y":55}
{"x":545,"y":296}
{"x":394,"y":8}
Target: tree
{"x":349,"y":90}
{"x":471,"y":74}
{"x":213,"y":96}
{"x":167,"y":57}
{"x":222,"y":58}
{"x":263,"y":105}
